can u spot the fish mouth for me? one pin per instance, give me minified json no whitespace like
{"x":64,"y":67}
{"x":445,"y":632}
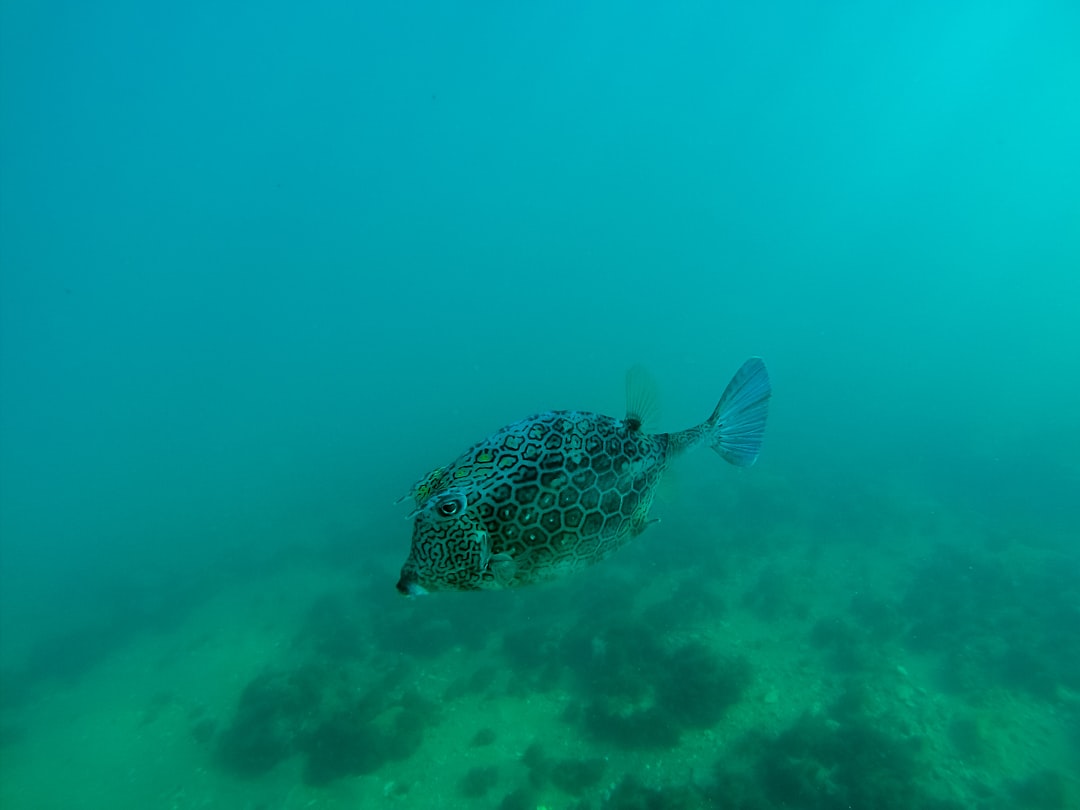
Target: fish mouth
{"x":408,"y":586}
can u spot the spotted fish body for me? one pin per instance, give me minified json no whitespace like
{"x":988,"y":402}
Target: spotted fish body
{"x":559,"y":491}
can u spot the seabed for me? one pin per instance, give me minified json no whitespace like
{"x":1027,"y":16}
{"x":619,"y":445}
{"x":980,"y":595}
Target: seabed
{"x":797,"y":659}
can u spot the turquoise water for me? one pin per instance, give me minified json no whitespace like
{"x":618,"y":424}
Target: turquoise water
{"x":263,"y":266}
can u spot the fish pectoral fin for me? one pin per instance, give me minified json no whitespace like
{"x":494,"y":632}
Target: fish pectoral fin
{"x":503,"y":568}
{"x":638,"y":527}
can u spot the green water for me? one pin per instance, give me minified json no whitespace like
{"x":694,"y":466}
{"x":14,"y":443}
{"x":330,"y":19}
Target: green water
{"x":262,"y":267}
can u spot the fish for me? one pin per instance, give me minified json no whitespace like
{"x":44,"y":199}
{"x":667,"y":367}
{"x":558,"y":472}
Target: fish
{"x":557,"y":492}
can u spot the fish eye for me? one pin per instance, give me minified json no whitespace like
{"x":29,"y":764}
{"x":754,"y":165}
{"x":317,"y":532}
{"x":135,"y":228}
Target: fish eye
{"x":450,"y":508}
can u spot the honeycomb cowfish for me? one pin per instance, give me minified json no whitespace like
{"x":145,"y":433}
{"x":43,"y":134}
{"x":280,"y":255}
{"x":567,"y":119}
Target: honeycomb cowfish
{"x":559,"y":491}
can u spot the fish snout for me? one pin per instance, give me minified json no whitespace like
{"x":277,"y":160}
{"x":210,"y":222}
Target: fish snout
{"x":409,"y":586}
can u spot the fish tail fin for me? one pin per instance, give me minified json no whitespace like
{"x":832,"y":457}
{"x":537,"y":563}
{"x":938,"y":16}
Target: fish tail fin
{"x":737,"y":426}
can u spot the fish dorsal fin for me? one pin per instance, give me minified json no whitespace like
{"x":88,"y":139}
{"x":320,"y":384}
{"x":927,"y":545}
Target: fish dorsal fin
{"x":642,"y":398}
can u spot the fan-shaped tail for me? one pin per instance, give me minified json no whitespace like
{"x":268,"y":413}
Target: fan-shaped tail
{"x":737,"y":426}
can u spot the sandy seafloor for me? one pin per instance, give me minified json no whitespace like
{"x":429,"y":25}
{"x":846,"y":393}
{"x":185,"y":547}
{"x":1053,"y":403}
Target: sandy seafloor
{"x":780,"y":654}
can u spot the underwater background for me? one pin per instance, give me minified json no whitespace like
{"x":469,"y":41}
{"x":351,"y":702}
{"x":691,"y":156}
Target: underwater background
{"x":264,"y":265}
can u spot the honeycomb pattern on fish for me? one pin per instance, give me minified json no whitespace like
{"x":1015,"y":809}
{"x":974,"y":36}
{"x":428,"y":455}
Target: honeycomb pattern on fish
{"x":555,"y":492}
{"x":568,"y":476}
